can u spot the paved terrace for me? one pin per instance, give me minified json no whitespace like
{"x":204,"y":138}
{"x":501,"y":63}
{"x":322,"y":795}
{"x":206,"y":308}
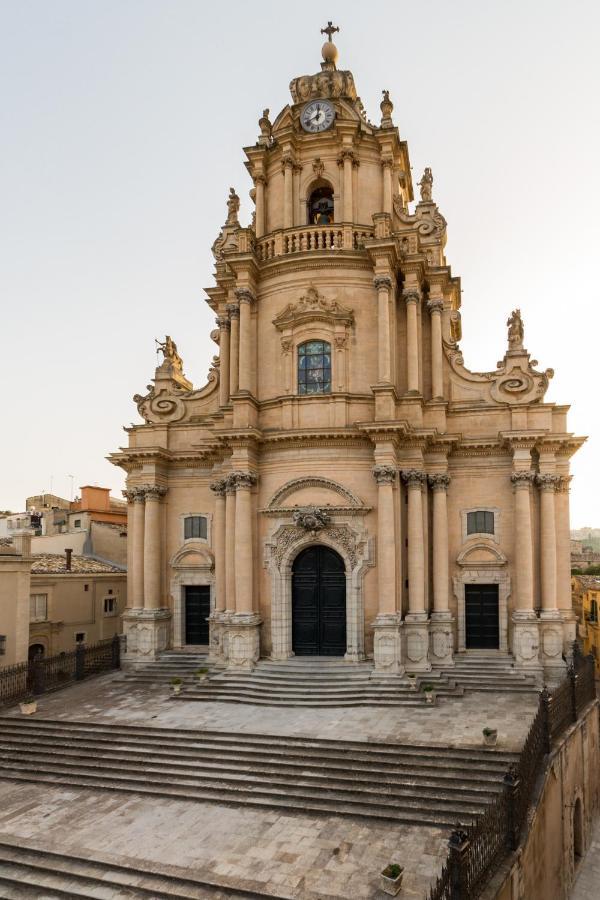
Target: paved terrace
{"x":286,"y":855}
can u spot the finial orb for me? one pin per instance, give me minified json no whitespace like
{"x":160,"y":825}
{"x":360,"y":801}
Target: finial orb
{"x":329,"y":52}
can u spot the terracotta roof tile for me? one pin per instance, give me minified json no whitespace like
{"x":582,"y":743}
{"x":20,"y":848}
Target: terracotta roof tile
{"x":55,"y":564}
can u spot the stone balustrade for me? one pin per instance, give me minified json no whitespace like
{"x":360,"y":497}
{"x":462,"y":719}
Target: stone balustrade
{"x":312,"y":237}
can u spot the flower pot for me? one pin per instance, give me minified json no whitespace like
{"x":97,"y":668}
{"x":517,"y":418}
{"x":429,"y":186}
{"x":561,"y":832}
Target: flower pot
{"x":491,"y":739}
{"x":28,"y":709}
{"x":429,"y":696}
{"x":389,"y":885}
{"x":176,"y":688}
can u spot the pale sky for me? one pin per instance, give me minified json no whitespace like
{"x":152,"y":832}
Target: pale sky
{"x":121,"y":128}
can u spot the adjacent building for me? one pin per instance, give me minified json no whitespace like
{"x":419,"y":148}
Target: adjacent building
{"x":344,"y":484}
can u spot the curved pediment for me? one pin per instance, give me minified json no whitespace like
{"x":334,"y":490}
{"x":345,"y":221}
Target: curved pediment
{"x":194,"y":556}
{"x":481,"y":554}
{"x":313,"y":306}
{"x":316,"y":491}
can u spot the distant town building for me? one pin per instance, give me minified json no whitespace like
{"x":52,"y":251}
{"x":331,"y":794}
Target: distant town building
{"x":586,"y":603}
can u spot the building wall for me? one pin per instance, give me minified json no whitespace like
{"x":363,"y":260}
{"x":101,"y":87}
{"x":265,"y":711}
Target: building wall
{"x":15,"y":569}
{"x":544,"y":866}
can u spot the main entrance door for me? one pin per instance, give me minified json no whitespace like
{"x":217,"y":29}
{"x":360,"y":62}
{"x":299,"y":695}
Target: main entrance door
{"x":481,"y":615}
{"x":197,"y":611}
{"x":318,"y":603}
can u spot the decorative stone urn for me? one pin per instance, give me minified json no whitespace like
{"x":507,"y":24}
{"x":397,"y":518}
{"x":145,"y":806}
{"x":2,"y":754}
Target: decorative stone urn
{"x":490,"y":737}
{"x":28,"y":706}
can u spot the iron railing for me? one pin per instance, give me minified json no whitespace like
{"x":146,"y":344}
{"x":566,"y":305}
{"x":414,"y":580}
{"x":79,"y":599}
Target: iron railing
{"x":43,"y":674}
{"x":476,"y":850}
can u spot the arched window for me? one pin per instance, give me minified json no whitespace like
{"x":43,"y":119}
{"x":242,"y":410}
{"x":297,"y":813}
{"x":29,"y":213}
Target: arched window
{"x":320,"y":206}
{"x":314,"y":368}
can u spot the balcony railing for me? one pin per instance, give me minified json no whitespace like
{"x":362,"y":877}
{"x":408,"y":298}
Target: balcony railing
{"x":311,"y":238}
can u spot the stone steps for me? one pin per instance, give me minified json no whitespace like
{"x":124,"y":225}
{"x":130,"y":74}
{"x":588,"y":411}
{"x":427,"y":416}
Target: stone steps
{"x":37,"y":872}
{"x":390,"y":782}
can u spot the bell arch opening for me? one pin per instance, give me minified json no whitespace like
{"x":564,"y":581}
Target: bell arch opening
{"x":320,"y":204}
{"x":318,"y":602}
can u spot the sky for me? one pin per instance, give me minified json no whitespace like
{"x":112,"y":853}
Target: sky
{"x":121,"y":128}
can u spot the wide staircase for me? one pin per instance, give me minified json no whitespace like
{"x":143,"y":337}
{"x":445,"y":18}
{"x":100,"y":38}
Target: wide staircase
{"x":416,"y":785}
{"x":328,"y":681}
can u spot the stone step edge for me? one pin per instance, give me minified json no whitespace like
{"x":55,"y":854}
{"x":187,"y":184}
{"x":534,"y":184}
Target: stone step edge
{"x":264,"y":790}
{"x":55,"y":859}
{"x":417,"y":821}
{"x":252,"y":738}
{"x":362,"y":788}
{"x":6,"y":882}
{"x":395,"y":769}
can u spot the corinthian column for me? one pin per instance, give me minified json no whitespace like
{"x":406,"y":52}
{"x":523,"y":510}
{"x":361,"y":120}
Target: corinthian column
{"x":287,"y":167}
{"x":233,"y":311}
{"x":347,"y":157}
{"x":383,"y":286}
{"x":218,"y":487}
{"x":550,"y":618}
{"x":563,"y":563}
{"x":385,"y":477}
{"x":244,"y":576}
{"x":386,"y":168}
{"x":415,"y":622}
{"x":230,"y":544}
{"x":435,"y":308}
{"x":442,"y":641}
{"x":152,"y":546}
{"x":387,"y":644}
{"x":412,"y":299}
{"x":525,"y":627}
{"x":135,"y":536}
{"x":259,"y":183}
{"x":245,"y":297}
{"x":223,"y":323}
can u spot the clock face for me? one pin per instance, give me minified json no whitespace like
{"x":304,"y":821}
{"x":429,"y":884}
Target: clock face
{"x":317,"y":116}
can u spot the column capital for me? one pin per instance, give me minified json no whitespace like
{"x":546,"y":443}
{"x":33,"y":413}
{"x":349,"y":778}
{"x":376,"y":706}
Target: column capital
{"x":414,"y":478}
{"x":219,"y":486}
{"x":233,"y":310}
{"x":244,"y":295}
{"x":439,"y":482}
{"x":435,"y":306}
{"x":411,"y":296}
{"x":154,"y":491}
{"x":522,"y":479}
{"x":223,"y":323}
{"x":135,"y":494}
{"x":547,"y":482}
{"x":387,"y":162}
{"x":564,"y":486}
{"x":242,"y":479}
{"x":260,"y":179}
{"x":384,"y":474}
{"x":382,"y":282}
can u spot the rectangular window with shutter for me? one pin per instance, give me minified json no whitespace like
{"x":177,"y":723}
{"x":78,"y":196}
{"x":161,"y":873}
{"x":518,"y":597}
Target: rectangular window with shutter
{"x":195,"y":527}
{"x":38,"y":607}
{"x":481,"y":521}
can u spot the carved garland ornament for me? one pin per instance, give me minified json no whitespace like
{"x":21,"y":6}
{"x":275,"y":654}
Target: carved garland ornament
{"x":311,"y":518}
{"x":292,"y":534}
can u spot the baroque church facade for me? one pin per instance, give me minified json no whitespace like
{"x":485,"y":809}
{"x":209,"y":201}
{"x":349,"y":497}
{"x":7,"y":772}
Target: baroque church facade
{"x":343,"y":485}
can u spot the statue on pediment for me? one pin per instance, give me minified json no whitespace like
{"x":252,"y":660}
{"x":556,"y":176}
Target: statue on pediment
{"x":516,"y":332}
{"x":168,"y":348}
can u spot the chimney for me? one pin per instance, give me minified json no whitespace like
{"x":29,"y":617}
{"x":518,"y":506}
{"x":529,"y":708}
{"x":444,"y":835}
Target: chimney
{"x":68,"y":554}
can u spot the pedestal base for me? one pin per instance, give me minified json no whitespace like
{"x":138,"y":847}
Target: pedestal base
{"x":441,"y":640}
{"x":216,"y":622}
{"x":241,"y":640}
{"x":387,"y":645}
{"x":416,"y":631}
{"x":147,"y":632}
{"x":552,"y":644}
{"x":526,"y":640}
{"x":569,"y":624}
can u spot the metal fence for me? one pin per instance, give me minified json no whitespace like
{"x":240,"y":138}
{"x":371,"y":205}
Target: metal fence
{"x":476,"y":850}
{"x":43,"y":674}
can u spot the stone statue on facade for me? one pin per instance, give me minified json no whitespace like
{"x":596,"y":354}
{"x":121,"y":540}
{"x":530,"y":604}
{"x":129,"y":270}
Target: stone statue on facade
{"x":426,"y":185}
{"x":168,"y":348}
{"x":515,"y":330}
{"x":233,"y":207}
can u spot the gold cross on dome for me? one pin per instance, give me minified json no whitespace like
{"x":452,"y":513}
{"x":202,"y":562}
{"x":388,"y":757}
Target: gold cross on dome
{"x":331,"y":29}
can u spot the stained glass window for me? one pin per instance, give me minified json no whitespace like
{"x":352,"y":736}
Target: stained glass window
{"x":314,"y":368}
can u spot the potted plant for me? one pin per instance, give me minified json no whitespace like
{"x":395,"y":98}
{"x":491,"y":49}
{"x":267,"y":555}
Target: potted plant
{"x":490,"y":736}
{"x":28,"y":706}
{"x":391,"y":879}
{"x":413,"y":682}
{"x":429,"y":693}
{"x":201,"y":674}
{"x":176,"y":685}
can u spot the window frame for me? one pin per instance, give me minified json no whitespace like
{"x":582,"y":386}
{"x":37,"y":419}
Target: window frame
{"x":35,"y":617}
{"x":111,"y":601}
{"x":324,"y":343}
{"x":481,"y":535}
{"x":485,"y":514}
{"x":198,"y":540}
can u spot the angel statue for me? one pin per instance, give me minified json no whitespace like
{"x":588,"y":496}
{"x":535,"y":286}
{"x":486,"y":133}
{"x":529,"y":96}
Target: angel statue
{"x":426,"y":184}
{"x":515,"y":330}
{"x":168,"y":348}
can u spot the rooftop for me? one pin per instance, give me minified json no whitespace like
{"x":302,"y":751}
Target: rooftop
{"x":55,"y":564}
